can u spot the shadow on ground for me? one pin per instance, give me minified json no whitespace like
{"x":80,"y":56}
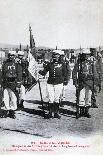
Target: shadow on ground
{"x":43,"y":108}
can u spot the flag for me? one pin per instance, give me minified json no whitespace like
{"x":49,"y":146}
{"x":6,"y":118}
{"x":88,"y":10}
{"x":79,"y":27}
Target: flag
{"x":32,"y":68}
{"x":32,"y":64}
{"x":33,"y":71}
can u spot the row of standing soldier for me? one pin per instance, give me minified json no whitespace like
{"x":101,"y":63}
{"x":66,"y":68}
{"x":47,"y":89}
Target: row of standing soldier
{"x":84,"y":76}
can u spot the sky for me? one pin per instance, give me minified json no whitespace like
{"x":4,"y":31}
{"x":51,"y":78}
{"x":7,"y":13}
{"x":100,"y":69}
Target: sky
{"x":65,"y":23}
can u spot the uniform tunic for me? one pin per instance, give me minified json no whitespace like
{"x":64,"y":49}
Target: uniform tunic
{"x":59,"y":73}
{"x":85,"y":75}
{"x":9,"y":83}
{"x":21,"y":78}
{"x":9,"y":74}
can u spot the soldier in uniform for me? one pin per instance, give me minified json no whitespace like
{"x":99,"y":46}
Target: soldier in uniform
{"x":99,"y":68}
{"x":21,"y":75}
{"x":85,"y":79}
{"x":64,"y":59}
{"x":9,"y":81}
{"x":58,"y":75}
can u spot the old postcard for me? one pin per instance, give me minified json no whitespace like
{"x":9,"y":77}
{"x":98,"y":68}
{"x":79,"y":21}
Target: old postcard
{"x":51,"y":77}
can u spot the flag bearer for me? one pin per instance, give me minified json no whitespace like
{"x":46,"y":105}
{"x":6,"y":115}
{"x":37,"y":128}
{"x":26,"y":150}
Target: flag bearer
{"x":21,"y":68}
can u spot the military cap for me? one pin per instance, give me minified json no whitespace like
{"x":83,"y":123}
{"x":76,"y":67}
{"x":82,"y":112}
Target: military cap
{"x":20,"y":53}
{"x":60,"y":52}
{"x":86,"y":51}
{"x":12,"y":52}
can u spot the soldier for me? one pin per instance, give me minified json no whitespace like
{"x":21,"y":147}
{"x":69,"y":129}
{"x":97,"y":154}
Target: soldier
{"x":99,"y":68}
{"x":84,"y":78}
{"x":21,"y":75}
{"x":58,"y":75}
{"x":9,"y":81}
{"x":64,"y":59}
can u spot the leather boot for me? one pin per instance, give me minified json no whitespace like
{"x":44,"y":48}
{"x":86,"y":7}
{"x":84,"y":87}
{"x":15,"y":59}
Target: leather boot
{"x":56,"y":111}
{"x":93,"y":102}
{"x":87,"y":112}
{"x":4,"y":114}
{"x":49,"y":115}
{"x":12,"y":114}
{"x":21,"y":104}
{"x":81,"y":111}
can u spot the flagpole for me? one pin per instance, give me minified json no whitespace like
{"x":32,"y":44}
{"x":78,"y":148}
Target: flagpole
{"x":30,"y":30}
{"x":31,"y":38}
{"x":40,"y":93}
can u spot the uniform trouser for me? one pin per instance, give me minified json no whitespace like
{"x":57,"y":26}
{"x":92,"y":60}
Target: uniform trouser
{"x":54,"y":92}
{"x":85,"y":97}
{"x":10,"y":99}
{"x":22,"y":93}
{"x":62,"y":98}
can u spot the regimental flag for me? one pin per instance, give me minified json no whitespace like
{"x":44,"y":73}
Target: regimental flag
{"x":32,"y":68}
{"x":32,"y":71}
{"x":32,"y":64}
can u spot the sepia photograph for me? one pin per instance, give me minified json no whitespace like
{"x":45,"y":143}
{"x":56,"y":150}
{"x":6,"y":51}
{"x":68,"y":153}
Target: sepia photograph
{"x":51,"y":77}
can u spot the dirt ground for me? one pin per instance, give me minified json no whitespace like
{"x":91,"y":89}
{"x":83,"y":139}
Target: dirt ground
{"x":30,"y":124}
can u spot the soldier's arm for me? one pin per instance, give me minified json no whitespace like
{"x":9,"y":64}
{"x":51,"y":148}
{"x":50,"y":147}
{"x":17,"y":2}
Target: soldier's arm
{"x":45,"y":70}
{"x":3,"y":73}
{"x":96,"y":76}
{"x":66,"y":72}
{"x":24,"y":68}
{"x":74,"y":75}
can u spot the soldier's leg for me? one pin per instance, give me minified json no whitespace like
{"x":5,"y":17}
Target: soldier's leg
{"x":58,"y":92}
{"x":93,"y":97}
{"x":100,"y":77}
{"x":56,"y":110}
{"x":62,"y":96}
{"x":82,"y":101}
{"x":6,"y":99}
{"x":51,"y":99}
{"x":22,"y":96}
{"x":82,"y":97}
{"x":13,"y":101}
{"x":88,"y":94}
{"x":6,"y":103}
{"x":13,"y":104}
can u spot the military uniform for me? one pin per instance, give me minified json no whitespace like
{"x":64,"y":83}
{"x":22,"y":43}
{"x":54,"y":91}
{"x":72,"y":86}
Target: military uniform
{"x":58,"y":75}
{"x":65,"y":60}
{"x":99,"y":68}
{"x":85,"y":78}
{"x":21,"y":75}
{"x":9,"y":83}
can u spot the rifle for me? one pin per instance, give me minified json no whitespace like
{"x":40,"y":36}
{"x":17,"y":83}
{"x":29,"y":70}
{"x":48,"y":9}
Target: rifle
{"x":78,"y":87}
{"x":100,"y":68}
{"x":41,"y":94}
{"x":93,"y":99}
